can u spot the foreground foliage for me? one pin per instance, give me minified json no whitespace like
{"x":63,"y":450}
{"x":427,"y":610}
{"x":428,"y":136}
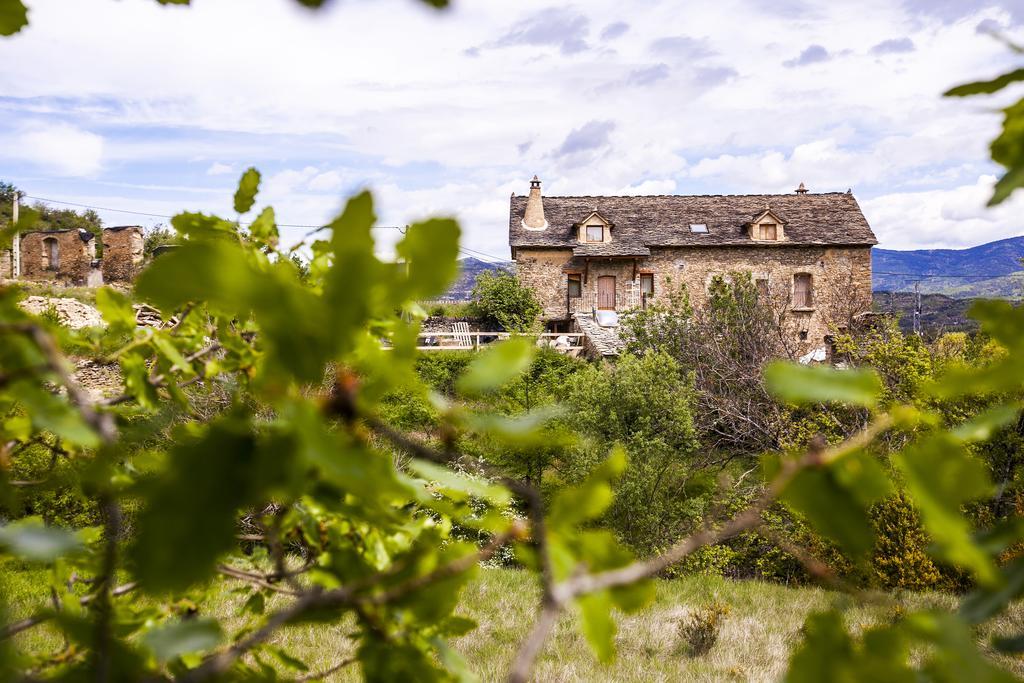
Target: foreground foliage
{"x":297,"y":443}
{"x":271,"y":387}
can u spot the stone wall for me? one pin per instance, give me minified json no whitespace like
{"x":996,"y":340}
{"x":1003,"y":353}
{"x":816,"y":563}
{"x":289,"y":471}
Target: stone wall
{"x":75,"y":252}
{"x":6,"y":263}
{"x":841,"y":278}
{"x":122,"y":253}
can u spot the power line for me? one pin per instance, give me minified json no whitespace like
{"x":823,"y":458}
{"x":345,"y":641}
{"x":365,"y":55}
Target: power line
{"x":465,"y":250}
{"x":160,"y":215}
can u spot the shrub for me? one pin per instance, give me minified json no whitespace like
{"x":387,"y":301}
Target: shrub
{"x":698,"y":632}
{"x":900,"y":559}
{"x":440,"y":369}
{"x":55,"y":498}
{"x":501,"y":299}
{"x":645,"y":404}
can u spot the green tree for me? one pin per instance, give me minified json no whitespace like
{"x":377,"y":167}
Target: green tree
{"x":645,"y":404}
{"x":501,"y":299}
{"x":155,"y":237}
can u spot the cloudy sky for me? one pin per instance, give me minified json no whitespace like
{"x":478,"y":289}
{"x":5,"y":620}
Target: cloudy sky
{"x":136,"y":106}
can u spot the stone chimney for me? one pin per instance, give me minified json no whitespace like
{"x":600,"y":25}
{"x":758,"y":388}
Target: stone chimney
{"x":534,"y":219}
{"x":802,"y":189}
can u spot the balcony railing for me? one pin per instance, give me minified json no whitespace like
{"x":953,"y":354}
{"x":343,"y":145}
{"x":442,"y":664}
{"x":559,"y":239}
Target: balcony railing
{"x":624,"y":301}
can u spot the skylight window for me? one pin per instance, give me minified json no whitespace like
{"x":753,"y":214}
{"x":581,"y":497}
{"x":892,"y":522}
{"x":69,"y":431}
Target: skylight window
{"x":698,"y":227}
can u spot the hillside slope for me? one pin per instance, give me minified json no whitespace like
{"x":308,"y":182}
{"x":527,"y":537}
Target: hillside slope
{"x":896,"y":271}
{"x":469,"y":269}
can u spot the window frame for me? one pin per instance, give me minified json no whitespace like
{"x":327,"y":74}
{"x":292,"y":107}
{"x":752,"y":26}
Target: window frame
{"x":764,"y":232}
{"x":648,"y":276}
{"x":808,"y":302}
{"x":576,"y":278}
{"x":588,"y":228}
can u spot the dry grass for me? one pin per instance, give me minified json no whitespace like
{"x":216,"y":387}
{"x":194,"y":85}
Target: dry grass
{"x":755,"y":639}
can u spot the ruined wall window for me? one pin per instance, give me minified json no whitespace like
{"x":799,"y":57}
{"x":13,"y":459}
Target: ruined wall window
{"x":762,"y":288}
{"x":647,"y":285}
{"x":769,"y":231}
{"x":575,"y":285}
{"x":595,"y":233}
{"x":803,"y":292}
{"x":51,"y":253}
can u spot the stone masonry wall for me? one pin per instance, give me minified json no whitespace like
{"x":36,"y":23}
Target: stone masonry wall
{"x":122,"y":253}
{"x":841,"y":278}
{"x":75,"y":256}
{"x":6,"y":263}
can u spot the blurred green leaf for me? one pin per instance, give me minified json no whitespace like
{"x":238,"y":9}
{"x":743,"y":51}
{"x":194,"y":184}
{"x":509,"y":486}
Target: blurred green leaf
{"x":835,"y":499}
{"x":956,"y":656}
{"x":51,"y":413}
{"x":829,"y":653}
{"x":575,"y":504}
{"x":190,"y":513}
{"x":985,"y":602}
{"x":597,"y":624}
{"x":941,"y":477}
{"x":802,"y":384}
{"x":13,"y":17}
{"x":116,"y":309}
{"x":264,"y":229}
{"x":986,"y":87}
{"x":456,"y":483}
{"x":32,"y":540}
{"x":177,"y":638}
{"x":497,"y":366}
{"x":248,"y":186}
{"x":430,"y":250}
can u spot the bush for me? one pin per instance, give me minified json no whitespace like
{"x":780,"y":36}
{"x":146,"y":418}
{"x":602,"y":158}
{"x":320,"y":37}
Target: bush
{"x":440,"y":369}
{"x":698,"y":633}
{"x":643,"y":403}
{"x":900,"y":559}
{"x":55,"y":498}
{"x":501,"y":299}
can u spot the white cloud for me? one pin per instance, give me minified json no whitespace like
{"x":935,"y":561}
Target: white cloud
{"x":953,"y":218}
{"x":217,"y":168}
{"x":61,"y":149}
{"x":330,"y":181}
{"x":436,"y":129}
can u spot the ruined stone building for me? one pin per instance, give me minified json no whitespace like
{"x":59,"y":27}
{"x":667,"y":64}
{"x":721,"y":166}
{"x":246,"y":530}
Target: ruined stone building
{"x":589,"y":258}
{"x":69,"y":256}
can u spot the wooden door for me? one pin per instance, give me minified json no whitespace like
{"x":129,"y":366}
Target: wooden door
{"x":606,"y":293}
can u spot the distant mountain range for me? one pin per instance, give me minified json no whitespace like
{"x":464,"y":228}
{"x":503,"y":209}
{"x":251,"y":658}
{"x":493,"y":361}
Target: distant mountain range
{"x":469,"y":269}
{"x":988,"y":270}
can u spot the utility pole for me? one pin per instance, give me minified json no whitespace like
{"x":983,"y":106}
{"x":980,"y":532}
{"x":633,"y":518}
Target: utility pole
{"x":16,"y":243}
{"x":916,"y":308}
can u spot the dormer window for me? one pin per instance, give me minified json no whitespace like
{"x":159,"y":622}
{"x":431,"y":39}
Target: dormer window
{"x":767,"y":227}
{"x":594,"y":229}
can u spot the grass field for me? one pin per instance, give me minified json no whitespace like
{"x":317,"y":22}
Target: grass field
{"x":755,"y":639}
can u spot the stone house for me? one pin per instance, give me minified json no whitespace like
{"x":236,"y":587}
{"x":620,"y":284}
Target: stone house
{"x":808,"y":254}
{"x":69,"y":256}
{"x":60,"y":255}
{"x":122,"y":253}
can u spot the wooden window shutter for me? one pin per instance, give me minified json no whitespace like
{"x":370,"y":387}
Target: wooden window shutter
{"x":803,"y":295}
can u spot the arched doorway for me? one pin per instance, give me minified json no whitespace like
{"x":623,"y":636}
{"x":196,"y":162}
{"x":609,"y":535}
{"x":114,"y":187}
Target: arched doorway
{"x":51,"y":253}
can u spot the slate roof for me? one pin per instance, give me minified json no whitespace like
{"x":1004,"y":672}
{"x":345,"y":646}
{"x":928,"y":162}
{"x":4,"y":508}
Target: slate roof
{"x":613,"y":248}
{"x":831,"y":218}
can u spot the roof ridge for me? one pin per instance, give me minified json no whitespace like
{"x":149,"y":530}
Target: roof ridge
{"x":646,"y":196}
